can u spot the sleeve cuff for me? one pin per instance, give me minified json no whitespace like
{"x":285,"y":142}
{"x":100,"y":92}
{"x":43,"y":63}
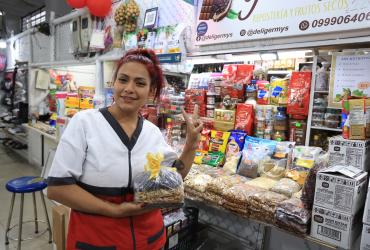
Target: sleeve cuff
{"x":60,"y":181}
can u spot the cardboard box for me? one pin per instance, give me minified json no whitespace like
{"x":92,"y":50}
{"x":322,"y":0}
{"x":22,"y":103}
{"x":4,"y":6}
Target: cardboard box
{"x":356,"y":124}
{"x":366,"y":218}
{"x":86,"y":103}
{"x":365,"y":237}
{"x":335,"y":228}
{"x":341,"y":188}
{"x":349,"y":152}
{"x":60,"y":215}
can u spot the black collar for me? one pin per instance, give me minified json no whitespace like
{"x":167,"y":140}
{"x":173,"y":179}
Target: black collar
{"x":120,"y":132}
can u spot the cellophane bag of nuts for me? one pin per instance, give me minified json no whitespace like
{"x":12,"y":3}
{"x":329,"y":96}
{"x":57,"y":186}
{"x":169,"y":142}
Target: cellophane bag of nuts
{"x":159,"y":186}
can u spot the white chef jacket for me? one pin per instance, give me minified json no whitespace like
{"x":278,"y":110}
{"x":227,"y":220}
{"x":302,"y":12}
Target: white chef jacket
{"x":95,"y":153}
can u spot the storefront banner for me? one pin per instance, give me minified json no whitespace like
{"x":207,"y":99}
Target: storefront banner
{"x":223,"y":21}
{"x":350,"y":76}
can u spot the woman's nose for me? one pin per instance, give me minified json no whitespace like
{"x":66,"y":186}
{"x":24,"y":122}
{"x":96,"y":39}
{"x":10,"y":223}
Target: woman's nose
{"x":130,"y":86}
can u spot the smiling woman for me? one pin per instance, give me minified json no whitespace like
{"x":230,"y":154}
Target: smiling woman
{"x":93,"y":172}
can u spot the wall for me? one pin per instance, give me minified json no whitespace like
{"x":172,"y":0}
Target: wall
{"x":13,"y":23}
{"x":60,"y":7}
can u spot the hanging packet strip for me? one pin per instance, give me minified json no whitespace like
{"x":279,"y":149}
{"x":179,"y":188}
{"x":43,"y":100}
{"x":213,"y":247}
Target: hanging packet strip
{"x":235,"y":143}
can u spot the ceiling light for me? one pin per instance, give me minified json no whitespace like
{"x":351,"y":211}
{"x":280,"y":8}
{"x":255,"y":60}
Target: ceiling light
{"x":267,"y":56}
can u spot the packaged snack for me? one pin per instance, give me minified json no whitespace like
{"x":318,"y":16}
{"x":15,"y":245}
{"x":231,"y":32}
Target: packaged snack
{"x":286,"y":187}
{"x":221,"y":183}
{"x":263,"y":92}
{"x":255,"y":150}
{"x":72,"y":101}
{"x":231,"y":163}
{"x":244,"y":118}
{"x":299,"y":93}
{"x":86,"y":91}
{"x":244,"y":73}
{"x":86,"y":103}
{"x":130,"y":40}
{"x":279,"y":91}
{"x":263,"y":182}
{"x":292,"y":216}
{"x":303,"y":160}
{"x":199,"y":182}
{"x":235,"y":143}
{"x":229,"y":73}
{"x":214,"y":159}
{"x":219,"y":141}
{"x":204,"y":141}
{"x":199,"y":156}
{"x":70,"y":112}
{"x":308,"y":190}
{"x":158,"y":186}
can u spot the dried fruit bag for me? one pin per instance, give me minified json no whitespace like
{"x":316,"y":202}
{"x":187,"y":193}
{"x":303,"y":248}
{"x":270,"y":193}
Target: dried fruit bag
{"x":299,"y":93}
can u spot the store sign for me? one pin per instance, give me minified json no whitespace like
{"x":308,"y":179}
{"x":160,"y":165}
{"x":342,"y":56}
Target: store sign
{"x":169,"y":58}
{"x":350,"y":76}
{"x":242,"y":20}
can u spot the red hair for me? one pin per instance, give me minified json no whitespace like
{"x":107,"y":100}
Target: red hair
{"x":148,"y":58}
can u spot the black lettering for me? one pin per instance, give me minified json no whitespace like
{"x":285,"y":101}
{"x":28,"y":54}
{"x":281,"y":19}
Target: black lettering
{"x":250,"y":11}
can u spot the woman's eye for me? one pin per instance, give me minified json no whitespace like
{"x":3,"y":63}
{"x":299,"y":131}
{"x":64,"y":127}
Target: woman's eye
{"x":122,"y":80}
{"x":141,"y":83}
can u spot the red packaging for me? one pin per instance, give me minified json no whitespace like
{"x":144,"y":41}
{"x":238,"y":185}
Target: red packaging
{"x":205,"y":138}
{"x":244,"y":73}
{"x":299,"y":93}
{"x":193,"y":97}
{"x":244,"y":118}
{"x":229,"y":73}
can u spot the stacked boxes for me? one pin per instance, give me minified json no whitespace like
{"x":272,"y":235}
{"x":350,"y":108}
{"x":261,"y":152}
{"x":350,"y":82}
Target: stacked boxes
{"x":339,"y":198}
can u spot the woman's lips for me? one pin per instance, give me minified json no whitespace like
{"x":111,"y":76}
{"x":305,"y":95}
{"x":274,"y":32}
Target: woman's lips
{"x":128,"y":98}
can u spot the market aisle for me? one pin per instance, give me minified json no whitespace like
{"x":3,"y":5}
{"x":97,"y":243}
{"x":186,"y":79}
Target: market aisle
{"x":12,"y":166}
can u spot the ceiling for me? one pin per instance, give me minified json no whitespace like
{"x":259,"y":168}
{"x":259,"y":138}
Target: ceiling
{"x":20,"y":8}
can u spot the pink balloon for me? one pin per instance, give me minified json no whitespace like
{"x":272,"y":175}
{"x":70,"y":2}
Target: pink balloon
{"x":77,"y":3}
{"x":99,"y":8}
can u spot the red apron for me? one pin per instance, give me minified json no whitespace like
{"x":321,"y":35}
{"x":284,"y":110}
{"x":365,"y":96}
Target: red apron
{"x":96,"y":232}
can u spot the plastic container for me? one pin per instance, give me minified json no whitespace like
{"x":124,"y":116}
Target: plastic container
{"x":211,"y":98}
{"x":318,"y":122}
{"x":319,"y":109}
{"x":331,"y":123}
{"x":210,"y":111}
{"x":318,"y":116}
{"x":280,"y":125}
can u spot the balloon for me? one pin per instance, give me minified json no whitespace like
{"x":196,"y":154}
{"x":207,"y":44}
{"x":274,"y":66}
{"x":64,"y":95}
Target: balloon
{"x":99,"y":8}
{"x":77,"y":3}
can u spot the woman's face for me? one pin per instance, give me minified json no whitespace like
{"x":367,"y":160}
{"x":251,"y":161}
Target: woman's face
{"x":132,"y":87}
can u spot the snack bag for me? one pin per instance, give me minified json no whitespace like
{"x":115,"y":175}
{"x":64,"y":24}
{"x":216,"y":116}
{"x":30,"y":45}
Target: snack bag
{"x":303,"y":160}
{"x":299,"y":93}
{"x":244,"y":73}
{"x":229,"y":73}
{"x":199,"y":155}
{"x":235,"y":143}
{"x":214,"y":159}
{"x":263,"y":92}
{"x":244,"y":118}
{"x":204,"y":141}
{"x":279,"y":91}
{"x":231,"y":163}
{"x":219,"y":141}
{"x":158,"y":186}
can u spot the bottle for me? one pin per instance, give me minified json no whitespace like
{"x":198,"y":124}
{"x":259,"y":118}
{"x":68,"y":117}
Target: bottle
{"x":280,"y":124}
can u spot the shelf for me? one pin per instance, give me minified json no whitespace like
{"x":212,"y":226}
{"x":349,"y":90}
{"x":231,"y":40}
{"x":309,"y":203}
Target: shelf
{"x":49,"y":136}
{"x":322,"y":91}
{"x":20,"y":138}
{"x":327,"y":129}
{"x":279,"y":72}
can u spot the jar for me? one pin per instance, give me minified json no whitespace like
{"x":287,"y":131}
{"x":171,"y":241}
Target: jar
{"x":211,"y":98}
{"x":210,"y":111}
{"x":260,"y":112}
{"x":267,"y":134}
{"x":281,"y":119}
{"x":279,"y":135}
{"x":297,"y":131}
{"x":268,"y":112}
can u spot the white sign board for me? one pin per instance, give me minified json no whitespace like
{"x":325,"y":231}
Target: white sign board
{"x":241,"y":20}
{"x":350,"y":76}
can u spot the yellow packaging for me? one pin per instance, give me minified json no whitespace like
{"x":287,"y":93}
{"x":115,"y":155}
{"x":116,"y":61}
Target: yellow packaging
{"x":279,"y":91}
{"x":368,"y":118}
{"x":199,"y":155}
{"x":224,"y":126}
{"x":357,"y":119}
{"x":225,"y":115}
{"x":86,"y":103}
{"x":219,"y":141}
{"x":70,"y":112}
{"x":86,"y":91}
{"x":72,"y":101}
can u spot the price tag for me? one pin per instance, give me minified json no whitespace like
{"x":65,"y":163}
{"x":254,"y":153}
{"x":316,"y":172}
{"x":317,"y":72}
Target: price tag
{"x":97,"y":39}
{"x":173,"y":241}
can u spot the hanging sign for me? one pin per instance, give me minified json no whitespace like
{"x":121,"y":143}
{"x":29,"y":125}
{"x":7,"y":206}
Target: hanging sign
{"x":350,"y":77}
{"x":242,"y":20}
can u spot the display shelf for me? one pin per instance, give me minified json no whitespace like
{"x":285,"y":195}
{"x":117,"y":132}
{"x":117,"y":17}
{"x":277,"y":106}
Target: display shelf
{"x":322,"y":91}
{"x":279,"y":72}
{"x":327,"y":129}
{"x":240,"y":219}
{"x":49,"y":136}
{"x":20,"y":138}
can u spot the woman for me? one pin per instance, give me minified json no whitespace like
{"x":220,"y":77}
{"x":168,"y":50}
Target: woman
{"x":102,"y":151}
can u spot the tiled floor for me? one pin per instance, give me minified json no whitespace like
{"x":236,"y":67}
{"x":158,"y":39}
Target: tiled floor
{"x":12,"y":166}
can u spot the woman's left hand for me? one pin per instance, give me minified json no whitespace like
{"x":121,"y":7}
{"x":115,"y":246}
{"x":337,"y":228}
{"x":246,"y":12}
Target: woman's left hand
{"x":193,"y":128}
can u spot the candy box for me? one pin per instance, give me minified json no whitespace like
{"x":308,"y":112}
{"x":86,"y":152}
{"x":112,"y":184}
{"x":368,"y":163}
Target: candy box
{"x":72,"y":101}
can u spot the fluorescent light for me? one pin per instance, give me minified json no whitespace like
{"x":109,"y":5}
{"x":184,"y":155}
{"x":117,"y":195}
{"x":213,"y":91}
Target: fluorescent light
{"x":267,"y":56}
{"x":2,"y":44}
{"x":293,"y":54}
{"x":1,"y":13}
